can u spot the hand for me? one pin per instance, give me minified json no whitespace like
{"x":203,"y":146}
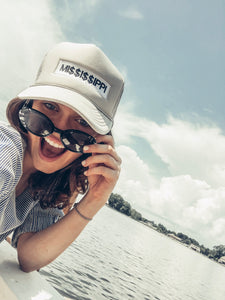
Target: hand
{"x":103,"y":168}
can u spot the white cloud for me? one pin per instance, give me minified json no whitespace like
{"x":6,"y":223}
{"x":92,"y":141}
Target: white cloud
{"x":77,"y":10}
{"x":218,"y":228}
{"x":131,"y":13}
{"x":135,"y":179}
{"x":198,"y":150}
{"x":186,"y":148}
{"x":27,"y":32}
{"x":192,"y":205}
{"x":193,"y":196}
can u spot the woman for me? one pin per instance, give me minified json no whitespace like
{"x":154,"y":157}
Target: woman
{"x":58,"y":145}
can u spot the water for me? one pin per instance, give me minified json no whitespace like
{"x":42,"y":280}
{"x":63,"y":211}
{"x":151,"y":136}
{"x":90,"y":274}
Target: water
{"x":116,"y":257}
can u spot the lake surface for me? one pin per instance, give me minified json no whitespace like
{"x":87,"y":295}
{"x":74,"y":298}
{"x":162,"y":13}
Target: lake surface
{"x":116,"y":257}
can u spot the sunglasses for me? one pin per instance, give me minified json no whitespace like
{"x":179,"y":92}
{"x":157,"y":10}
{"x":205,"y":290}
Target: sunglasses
{"x":40,"y":125}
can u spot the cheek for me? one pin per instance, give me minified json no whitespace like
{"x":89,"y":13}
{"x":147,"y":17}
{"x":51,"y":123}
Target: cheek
{"x":66,"y":159}
{"x":33,"y":141}
{"x":70,"y":157}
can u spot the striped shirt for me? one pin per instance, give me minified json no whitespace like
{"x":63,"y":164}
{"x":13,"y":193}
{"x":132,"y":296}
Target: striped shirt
{"x":19,"y":214}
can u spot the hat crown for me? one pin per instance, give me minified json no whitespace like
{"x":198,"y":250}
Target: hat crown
{"x":86,"y":70}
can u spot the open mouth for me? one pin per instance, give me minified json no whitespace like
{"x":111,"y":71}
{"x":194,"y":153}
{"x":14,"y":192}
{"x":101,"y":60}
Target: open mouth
{"x":51,"y":148}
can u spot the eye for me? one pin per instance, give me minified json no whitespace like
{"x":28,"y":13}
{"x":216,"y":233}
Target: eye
{"x":83,"y":123}
{"x":50,"y":106}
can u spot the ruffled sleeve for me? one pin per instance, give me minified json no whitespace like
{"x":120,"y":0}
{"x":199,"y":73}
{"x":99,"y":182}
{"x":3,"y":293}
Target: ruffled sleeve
{"x":11,"y":159}
{"x":11,"y":165}
{"x":37,"y":220}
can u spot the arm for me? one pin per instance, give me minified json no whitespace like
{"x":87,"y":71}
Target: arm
{"x":36,"y":250}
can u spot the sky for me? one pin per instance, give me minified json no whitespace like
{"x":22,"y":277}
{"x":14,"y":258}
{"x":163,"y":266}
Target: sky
{"x":170,"y":126}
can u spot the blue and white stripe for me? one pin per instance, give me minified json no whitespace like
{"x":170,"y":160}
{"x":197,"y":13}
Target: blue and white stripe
{"x":22,"y":212}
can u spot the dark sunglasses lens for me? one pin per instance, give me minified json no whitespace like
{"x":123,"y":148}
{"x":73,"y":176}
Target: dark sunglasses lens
{"x":75,"y":140}
{"x":37,"y":123}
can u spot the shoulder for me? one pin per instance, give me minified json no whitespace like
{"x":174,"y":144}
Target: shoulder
{"x":8,"y":134}
{"x":11,"y":142}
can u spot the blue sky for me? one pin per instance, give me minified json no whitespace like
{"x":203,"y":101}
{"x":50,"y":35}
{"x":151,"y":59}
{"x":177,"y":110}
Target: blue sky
{"x":172,"y":50}
{"x":170,"y":124}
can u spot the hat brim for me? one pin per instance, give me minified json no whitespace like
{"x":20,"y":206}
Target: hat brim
{"x":88,"y":111}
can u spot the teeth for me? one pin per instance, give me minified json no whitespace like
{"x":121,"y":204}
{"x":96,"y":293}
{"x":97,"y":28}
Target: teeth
{"x":53,"y":144}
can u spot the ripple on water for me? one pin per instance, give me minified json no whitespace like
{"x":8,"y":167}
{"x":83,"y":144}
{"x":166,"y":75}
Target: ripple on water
{"x":107,"y":290}
{"x":128,"y":274}
{"x":108,"y":297}
{"x":104,"y":279}
{"x":80,"y":288}
{"x":117,"y":258}
{"x":88,"y":283}
{"x":92,"y":277}
{"x":90,"y":268}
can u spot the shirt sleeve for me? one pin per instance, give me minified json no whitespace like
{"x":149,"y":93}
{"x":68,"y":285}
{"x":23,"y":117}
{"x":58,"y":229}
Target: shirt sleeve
{"x":11,"y":160}
{"x":37,"y":220}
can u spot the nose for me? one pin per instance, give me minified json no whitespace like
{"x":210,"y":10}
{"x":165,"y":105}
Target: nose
{"x":61,"y":123}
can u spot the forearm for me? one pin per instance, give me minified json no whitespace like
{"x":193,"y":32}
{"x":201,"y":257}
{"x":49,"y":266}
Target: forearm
{"x":39,"y":249}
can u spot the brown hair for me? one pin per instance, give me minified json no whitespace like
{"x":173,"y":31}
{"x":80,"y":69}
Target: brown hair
{"x":56,"y":189}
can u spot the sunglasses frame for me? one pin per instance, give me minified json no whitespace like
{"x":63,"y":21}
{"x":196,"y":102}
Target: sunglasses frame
{"x":27,"y":108}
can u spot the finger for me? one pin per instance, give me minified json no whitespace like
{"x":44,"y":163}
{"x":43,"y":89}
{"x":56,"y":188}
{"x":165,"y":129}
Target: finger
{"x":104,"y":159}
{"x":107,"y":173}
{"x":102,"y":149}
{"x":105,"y":139}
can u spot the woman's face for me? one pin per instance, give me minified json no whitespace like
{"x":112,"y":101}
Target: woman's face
{"x":48,"y":154}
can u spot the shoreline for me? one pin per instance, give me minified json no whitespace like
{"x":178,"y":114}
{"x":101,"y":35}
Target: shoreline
{"x":155,"y":228}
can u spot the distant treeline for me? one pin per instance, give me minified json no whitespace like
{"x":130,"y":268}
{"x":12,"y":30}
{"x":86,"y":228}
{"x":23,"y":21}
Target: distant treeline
{"x":117,"y":202}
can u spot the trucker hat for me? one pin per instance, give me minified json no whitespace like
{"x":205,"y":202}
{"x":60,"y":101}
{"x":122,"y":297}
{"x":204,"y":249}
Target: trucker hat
{"x":83,"y":78}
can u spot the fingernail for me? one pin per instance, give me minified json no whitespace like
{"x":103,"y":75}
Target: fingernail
{"x":84,"y":162}
{"x":85,"y":148}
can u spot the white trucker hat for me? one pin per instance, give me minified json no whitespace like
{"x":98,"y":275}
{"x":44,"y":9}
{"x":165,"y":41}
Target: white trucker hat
{"x":81,"y":77}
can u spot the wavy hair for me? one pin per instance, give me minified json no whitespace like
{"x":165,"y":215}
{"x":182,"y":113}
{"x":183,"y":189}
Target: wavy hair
{"x":55,"y":189}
